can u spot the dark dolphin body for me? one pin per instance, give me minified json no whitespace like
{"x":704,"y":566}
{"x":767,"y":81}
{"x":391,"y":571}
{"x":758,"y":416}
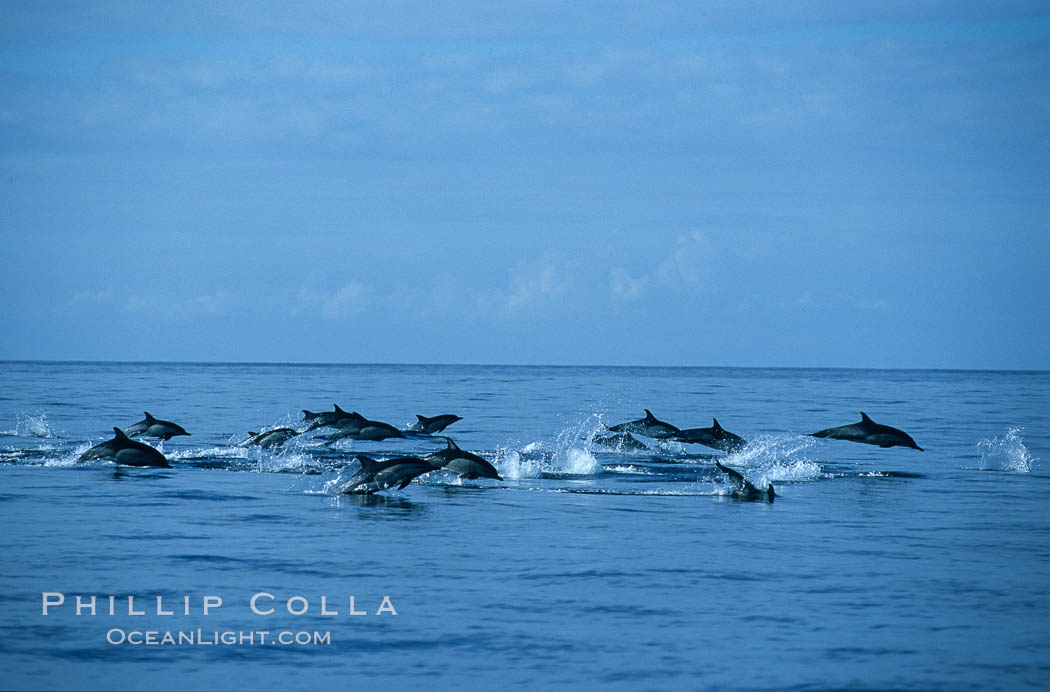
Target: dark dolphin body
{"x":621,"y":441}
{"x":326,"y":419}
{"x":434,"y":425}
{"x":869,"y":432}
{"x":743,"y":489}
{"x":380,"y":475}
{"x":716,"y":436}
{"x":126,"y":451}
{"x":649,"y":426}
{"x":152,"y":427}
{"x":466,"y":464}
{"x":360,"y":428}
{"x":271,"y":438}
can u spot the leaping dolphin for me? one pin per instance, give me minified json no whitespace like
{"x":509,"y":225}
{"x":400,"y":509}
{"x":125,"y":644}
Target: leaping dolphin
{"x":360,"y":428}
{"x":620,"y":441}
{"x":379,"y":475}
{"x":650,"y":426}
{"x":435,"y":424}
{"x":466,"y":464}
{"x":743,"y":489}
{"x":152,"y":427}
{"x":716,"y":436}
{"x":126,"y":451}
{"x":869,"y":432}
{"x":270,"y":438}
{"x":326,"y":419}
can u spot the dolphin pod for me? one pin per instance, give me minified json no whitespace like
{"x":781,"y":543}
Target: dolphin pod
{"x":377,"y":475}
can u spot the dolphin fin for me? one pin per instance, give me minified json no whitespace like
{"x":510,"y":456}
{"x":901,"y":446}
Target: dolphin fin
{"x":649,"y":414}
{"x":864,"y":418}
{"x":368,"y":464}
{"x":423,"y":419}
{"x":404,"y":484}
{"x":149,"y":418}
{"x":716,"y":426}
{"x":337,"y":409}
{"x":120,"y":434}
{"x":253,"y":434}
{"x":733,"y":474}
{"x":451,"y":444}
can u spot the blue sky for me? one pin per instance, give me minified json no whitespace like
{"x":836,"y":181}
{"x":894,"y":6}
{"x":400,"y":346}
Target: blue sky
{"x":825,"y":184}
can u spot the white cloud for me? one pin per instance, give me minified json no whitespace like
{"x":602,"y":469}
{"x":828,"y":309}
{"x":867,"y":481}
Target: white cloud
{"x":690,"y":260}
{"x":625,"y":286}
{"x":90,"y":297}
{"x":349,"y":299}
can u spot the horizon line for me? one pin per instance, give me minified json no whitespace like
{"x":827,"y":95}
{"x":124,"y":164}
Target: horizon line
{"x":510,"y":365}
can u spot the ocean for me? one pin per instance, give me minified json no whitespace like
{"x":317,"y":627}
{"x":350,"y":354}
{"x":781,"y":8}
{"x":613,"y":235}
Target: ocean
{"x":586,"y":566}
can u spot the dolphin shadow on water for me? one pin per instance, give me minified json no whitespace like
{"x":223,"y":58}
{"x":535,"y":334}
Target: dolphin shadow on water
{"x":869,"y":432}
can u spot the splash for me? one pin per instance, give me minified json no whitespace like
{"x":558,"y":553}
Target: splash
{"x":777,"y":458}
{"x":1006,"y":453}
{"x":34,"y":425}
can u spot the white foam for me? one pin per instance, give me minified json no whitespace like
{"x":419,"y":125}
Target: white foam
{"x":1006,"y":453}
{"x":33,"y":425}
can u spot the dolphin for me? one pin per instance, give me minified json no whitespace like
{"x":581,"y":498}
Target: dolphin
{"x":360,"y":428}
{"x":326,"y":419}
{"x":743,"y":489}
{"x":431,"y":426}
{"x":466,"y":464}
{"x":649,"y":426}
{"x":620,"y":441}
{"x":374,"y":475}
{"x":869,"y":432}
{"x":126,"y":451}
{"x":716,"y":436}
{"x":152,"y":427}
{"x":270,"y":438}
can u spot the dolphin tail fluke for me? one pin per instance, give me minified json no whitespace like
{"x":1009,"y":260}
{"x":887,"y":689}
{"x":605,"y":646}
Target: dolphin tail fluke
{"x":770,"y":493}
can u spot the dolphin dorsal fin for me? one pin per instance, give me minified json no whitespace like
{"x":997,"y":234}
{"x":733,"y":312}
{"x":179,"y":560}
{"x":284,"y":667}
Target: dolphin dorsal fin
{"x":367,"y":463}
{"x":451,"y":444}
{"x":253,"y":434}
{"x":120,"y":434}
{"x":337,"y":409}
{"x":864,"y":418}
{"x":648,"y":413}
{"x":422,"y":419}
{"x":148,"y":416}
{"x":716,"y":426}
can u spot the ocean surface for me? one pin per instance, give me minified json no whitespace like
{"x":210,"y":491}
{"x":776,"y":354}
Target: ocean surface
{"x":586,"y":566}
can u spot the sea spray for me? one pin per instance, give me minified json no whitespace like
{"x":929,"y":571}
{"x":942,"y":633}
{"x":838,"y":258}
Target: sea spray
{"x":1006,"y":453}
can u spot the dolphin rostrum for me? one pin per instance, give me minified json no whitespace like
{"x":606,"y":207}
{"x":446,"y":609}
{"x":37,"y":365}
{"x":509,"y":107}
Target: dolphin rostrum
{"x":649,"y":426}
{"x":716,"y":436}
{"x":466,"y":464}
{"x":126,"y":451}
{"x":743,"y":489}
{"x":869,"y":432}
{"x":379,"y":475}
{"x":152,"y":427}
{"x":435,"y":424}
